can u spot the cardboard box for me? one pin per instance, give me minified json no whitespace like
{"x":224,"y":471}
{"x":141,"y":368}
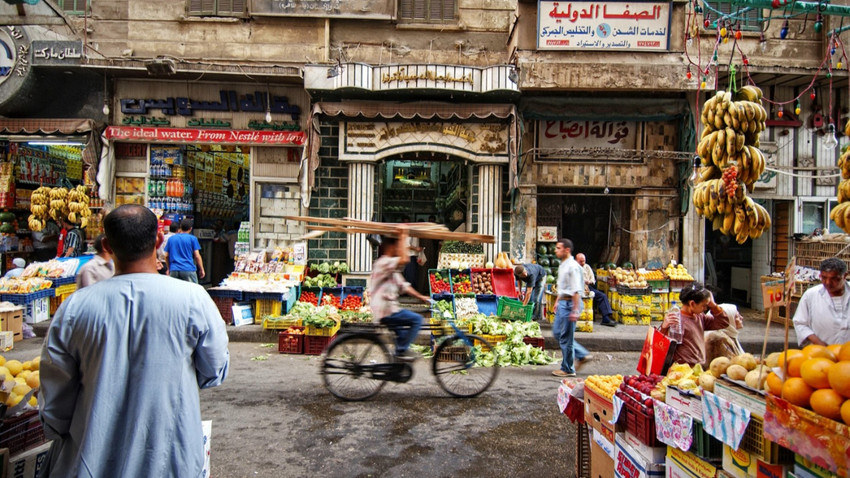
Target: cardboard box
{"x":29,"y":463}
{"x":739,"y":463}
{"x":628,"y":463}
{"x":601,"y":465}
{"x":685,"y":402}
{"x":804,"y":468}
{"x":681,"y":464}
{"x":598,"y":412}
{"x":38,"y":310}
{"x":603,"y":443}
{"x":12,"y":320}
{"x":652,"y":454}
{"x":7,"y":341}
{"x":738,"y":395}
{"x":768,"y":470}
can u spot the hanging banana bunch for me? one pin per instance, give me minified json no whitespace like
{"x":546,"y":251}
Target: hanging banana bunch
{"x":731,"y":163}
{"x":78,"y":206}
{"x":840,"y":214}
{"x":39,"y":213}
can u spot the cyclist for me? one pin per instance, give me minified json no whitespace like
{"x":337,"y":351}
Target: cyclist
{"x":386,"y":284}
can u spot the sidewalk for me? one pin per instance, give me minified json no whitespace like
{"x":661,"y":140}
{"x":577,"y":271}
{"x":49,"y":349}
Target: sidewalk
{"x":623,"y":338}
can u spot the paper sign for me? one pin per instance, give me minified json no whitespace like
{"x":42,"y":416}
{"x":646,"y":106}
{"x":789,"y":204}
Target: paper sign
{"x":243,"y":314}
{"x":772,"y":294}
{"x":547,"y":233}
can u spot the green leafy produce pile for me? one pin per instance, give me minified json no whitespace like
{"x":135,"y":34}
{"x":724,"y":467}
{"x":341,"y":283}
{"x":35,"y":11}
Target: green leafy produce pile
{"x":353,"y":317}
{"x":330,"y":267}
{"x":459,"y":247}
{"x":513,"y":351}
{"x":321,"y":280}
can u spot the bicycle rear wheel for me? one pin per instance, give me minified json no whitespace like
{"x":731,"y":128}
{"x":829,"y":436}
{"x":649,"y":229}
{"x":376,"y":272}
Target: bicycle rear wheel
{"x":350,"y":361}
{"x":455,"y":369}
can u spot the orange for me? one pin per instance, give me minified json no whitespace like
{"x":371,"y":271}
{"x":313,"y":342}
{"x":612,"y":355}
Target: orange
{"x":834,"y":348}
{"x":790,"y":353}
{"x":814,"y":351}
{"x":845,"y":412}
{"x":844,"y":353}
{"x":839,"y":378}
{"x":774,"y":384}
{"x":814,"y":372}
{"x":797,"y":392}
{"x":795,"y":364}
{"x":827,"y":402}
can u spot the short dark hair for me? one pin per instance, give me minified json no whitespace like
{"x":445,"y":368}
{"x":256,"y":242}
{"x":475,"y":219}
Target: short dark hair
{"x":834,"y":264}
{"x":98,"y":243}
{"x":131,"y":232}
{"x":386,"y":243}
{"x":519,"y":270}
{"x":694,"y":291}
{"x":566,"y":243}
{"x":173,"y":226}
{"x":186,"y":224}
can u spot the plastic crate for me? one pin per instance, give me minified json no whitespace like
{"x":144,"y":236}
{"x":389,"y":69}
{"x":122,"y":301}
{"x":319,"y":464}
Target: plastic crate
{"x":454,"y":354}
{"x":677,"y":285}
{"x":494,"y":340}
{"x":236,"y":295}
{"x":457,"y":277}
{"x":640,"y":421}
{"x":328,"y":292}
{"x":662,"y":285}
{"x":280,"y":323}
{"x":445,"y":276}
{"x":21,"y":432}
{"x":277,"y":296}
{"x":288,"y":343}
{"x":448,"y":297}
{"x":539,"y":342}
{"x":354,"y":290}
{"x":474,"y":273}
{"x":758,"y":445}
{"x":290,"y":298}
{"x":488,"y":304}
{"x":64,"y":289}
{"x":317,"y":291}
{"x":225,"y":308}
{"x":60,"y":281}
{"x":511,"y":309}
{"x":322,"y":331}
{"x":264,"y":307}
{"x":704,"y":445}
{"x":21,"y":299}
{"x":315,"y":345}
{"x":504,"y":283}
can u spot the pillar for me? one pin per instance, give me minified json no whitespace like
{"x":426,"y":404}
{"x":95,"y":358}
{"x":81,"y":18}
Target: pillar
{"x":361,"y":205}
{"x":490,"y":206}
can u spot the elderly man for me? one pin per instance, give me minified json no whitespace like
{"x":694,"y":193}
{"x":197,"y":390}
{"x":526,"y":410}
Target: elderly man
{"x":823,"y":316}
{"x":600,"y":300}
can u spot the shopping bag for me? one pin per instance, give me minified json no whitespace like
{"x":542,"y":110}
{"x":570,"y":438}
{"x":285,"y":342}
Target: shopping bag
{"x":657,"y":353}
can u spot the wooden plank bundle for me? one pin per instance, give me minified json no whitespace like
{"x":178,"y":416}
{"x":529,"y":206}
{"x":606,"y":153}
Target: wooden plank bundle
{"x":422,"y":230}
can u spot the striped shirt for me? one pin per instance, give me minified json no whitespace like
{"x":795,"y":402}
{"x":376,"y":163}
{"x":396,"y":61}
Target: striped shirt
{"x":385,"y":284}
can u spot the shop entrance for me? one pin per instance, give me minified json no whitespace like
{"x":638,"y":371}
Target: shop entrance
{"x":412,"y":189}
{"x":728,"y":267}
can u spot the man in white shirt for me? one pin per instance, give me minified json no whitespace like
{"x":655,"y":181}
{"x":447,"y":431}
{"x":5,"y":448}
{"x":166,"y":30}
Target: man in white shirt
{"x":567,"y":310}
{"x":823,"y":316}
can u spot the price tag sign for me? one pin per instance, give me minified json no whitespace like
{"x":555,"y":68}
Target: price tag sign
{"x":773,"y":294}
{"x":790,"y":275}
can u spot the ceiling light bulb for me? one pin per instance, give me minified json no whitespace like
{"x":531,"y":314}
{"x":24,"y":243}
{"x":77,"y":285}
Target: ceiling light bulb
{"x":106,"y":107}
{"x":830,"y":141}
{"x":268,"y":116}
{"x":606,"y":191}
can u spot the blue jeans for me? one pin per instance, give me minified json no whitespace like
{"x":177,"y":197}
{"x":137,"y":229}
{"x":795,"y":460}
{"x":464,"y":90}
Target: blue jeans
{"x":188,"y":276}
{"x":537,"y":299}
{"x":406,"y":325}
{"x":564,"y":331}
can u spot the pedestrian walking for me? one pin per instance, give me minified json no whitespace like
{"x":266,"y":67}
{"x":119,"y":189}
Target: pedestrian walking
{"x":567,"y":310}
{"x":183,"y":254}
{"x":122,"y":364}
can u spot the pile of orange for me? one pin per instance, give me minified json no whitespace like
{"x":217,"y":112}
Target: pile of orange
{"x":818,"y":379}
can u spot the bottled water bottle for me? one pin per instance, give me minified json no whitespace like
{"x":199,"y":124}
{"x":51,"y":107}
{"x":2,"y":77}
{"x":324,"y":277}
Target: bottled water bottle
{"x":675,"y":332}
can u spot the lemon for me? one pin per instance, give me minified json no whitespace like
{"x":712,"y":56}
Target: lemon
{"x":21,"y":389}
{"x":14,"y":366}
{"x":34,"y":380}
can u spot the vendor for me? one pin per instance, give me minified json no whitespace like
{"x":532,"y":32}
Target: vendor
{"x":823,"y":316}
{"x":695,"y":301}
{"x":19,"y":264}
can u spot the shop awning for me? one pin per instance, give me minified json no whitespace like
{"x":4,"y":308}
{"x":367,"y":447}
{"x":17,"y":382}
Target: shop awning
{"x":422,"y":110}
{"x":52,"y":127}
{"x":604,"y":109}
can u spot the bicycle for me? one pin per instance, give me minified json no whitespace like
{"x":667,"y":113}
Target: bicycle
{"x":358,"y":364}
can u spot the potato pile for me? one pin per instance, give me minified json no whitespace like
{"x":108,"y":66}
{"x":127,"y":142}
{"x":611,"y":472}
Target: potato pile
{"x":482,"y":283}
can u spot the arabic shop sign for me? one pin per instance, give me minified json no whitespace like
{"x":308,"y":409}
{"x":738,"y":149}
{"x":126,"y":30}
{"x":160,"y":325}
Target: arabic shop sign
{"x":210,"y":136}
{"x":14,"y":53}
{"x":228,"y":100}
{"x":461,"y":78}
{"x":56,"y":52}
{"x":630,"y":26}
{"x":567,"y":134}
{"x":482,"y":142}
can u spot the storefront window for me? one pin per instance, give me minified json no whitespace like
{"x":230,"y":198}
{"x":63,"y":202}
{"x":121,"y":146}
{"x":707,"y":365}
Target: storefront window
{"x":813,"y":216}
{"x":424,"y":191}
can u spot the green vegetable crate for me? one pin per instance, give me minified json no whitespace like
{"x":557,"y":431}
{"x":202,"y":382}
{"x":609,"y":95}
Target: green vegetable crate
{"x":494,"y":340}
{"x":512,"y":309}
{"x":322,"y":331}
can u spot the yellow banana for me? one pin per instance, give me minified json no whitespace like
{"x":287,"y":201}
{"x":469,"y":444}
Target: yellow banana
{"x":728,"y":223}
{"x":731,"y":141}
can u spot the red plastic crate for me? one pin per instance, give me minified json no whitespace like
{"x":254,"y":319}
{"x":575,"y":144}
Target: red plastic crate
{"x":638,"y":422}
{"x":316,"y":344}
{"x":22,"y":432}
{"x":504,"y":283}
{"x":535,"y":341}
{"x":225,"y":308}
{"x":288,"y":343}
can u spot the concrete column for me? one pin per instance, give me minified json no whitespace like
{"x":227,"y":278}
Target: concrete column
{"x":361,"y":205}
{"x":490,"y":206}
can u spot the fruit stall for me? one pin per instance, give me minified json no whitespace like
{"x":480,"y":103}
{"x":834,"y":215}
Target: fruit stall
{"x":640,"y":296}
{"x":21,"y":430}
{"x":737,"y":418}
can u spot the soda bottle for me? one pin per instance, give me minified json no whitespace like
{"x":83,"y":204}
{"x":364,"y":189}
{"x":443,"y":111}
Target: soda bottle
{"x":675,"y":332}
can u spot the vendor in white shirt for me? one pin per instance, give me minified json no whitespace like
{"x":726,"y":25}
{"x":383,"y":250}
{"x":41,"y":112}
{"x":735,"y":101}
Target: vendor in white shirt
{"x":823,"y":316}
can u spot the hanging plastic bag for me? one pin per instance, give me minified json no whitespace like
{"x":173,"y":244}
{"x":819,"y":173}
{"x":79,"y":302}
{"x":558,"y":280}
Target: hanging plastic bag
{"x":657,"y":353}
{"x":420,"y":258}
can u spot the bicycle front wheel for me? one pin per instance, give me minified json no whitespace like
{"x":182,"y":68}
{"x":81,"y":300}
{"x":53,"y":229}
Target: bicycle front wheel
{"x":347,"y":370}
{"x":455,"y":369}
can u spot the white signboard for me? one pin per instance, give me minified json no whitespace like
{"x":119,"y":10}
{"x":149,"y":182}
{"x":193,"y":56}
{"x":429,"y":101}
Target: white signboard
{"x":767,"y":180}
{"x":603,"y":26}
{"x":563,"y":134}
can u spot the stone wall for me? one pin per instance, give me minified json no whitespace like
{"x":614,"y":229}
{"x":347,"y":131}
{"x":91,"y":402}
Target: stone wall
{"x":330,"y":198}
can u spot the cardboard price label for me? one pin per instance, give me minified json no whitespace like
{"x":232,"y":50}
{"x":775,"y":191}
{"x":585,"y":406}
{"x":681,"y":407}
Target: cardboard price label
{"x":773,"y":294}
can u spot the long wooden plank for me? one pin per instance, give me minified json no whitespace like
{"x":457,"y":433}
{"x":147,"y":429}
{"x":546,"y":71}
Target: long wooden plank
{"x":422,"y":234}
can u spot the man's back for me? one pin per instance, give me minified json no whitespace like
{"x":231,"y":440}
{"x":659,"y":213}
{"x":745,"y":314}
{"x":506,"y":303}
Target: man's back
{"x":181,"y":248}
{"x":120,"y":373}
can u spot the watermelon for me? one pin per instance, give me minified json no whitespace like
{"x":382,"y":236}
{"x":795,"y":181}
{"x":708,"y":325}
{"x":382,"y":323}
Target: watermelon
{"x":7,"y":216}
{"x":541,"y":249}
{"x":555,"y":262}
{"x":7,"y":228}
{"x":543,"y":261}
{"x":552,"y":248}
